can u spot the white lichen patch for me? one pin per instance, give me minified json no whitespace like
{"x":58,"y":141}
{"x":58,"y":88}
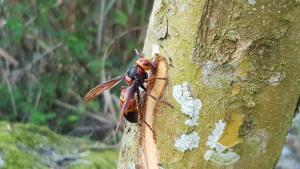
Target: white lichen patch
{"x":276,"y":78}
{"x":208,"y":154}
{"x":220,"y":148}
{"x":252,"y":2}
{"x":212,"y":140}
{"x":189,"y":106}
{"x":218,"y":153}
{"x":192,"y":122}
{"x":227,"y":158}
{"x":187,"y":142}
{"x":155,"y":50}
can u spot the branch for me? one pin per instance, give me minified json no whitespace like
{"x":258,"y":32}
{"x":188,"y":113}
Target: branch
{"x":75,"y":109}
{"x":12,"y":99}
{"x":8,"y":57}
{"x":35,"y":60}
{"x":100,"y":25}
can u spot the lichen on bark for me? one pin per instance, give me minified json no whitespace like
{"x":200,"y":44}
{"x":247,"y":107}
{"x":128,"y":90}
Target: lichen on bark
{"x":241,"y":60}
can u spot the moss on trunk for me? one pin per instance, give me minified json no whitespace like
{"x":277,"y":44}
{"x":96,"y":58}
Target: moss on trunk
{"x":241,"y":60}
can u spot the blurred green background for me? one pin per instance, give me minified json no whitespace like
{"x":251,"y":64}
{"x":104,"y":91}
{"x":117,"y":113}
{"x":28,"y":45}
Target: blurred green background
{"x":53,"y":51}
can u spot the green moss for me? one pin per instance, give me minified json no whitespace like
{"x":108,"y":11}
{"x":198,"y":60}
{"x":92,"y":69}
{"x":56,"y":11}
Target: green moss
{"x":254,"y":148}
{"x":97,"y":160}
{"x":29,"y":146}
{"x":249,"y":102}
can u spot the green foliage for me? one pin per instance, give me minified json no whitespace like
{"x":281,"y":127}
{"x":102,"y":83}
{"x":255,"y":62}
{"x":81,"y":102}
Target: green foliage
{"x":38,"y":117}
{"x":96,"y":65}
{"x":121,"y":18}
{"x":14,"y":24}
{"x":76,"y":46}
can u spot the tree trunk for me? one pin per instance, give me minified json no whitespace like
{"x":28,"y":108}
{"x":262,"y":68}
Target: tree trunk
{"x":233,"y":85}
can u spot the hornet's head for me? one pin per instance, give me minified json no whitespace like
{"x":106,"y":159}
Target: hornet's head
{"x":143,"y":62}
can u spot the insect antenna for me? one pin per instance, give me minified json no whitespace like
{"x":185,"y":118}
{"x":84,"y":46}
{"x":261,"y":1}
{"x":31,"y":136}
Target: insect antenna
{"x":138,"y":53}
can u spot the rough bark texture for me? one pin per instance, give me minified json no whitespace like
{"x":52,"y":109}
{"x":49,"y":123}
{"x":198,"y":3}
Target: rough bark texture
{"x":234,"y":79}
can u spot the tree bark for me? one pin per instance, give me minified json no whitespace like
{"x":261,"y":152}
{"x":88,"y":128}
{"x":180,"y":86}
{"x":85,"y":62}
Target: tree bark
{"x":233,"y":85}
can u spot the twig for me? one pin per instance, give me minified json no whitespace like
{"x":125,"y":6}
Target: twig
{"x":106,"y":147}
{"x":43,"y":45}
{"x":31,"y":20}
{"x":78,"y":98}
{"x":99,"y":118}
{"x":38,"y":97}
{"x":40,"y":57}
{"x":75,"y":109}
{"x":35,"y":60}
{"x":100,"y":25}
{"x":109,"y":6}
{"x":92,"y":130}
{"x":97,"y":147}
{"x":116,"y":101}
{"x":104,"y":9}
{"x":58,"y":3}
{"x":12,"y":99}
{"x":107,"y":95}
{"x":8,"y":57}
{"x":122,"y":34}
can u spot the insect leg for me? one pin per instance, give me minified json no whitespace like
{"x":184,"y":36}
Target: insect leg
{"x":144,"y":121}
{"x":154,"y":135}
{"x":164,"y":102}
{"x":148,"y":94}
{"x":143,"y":87}
{"x":118,"y":124}
{"x":160,"y":78}
{"x":154,"y":78}
{"x":138,"y":96}
{"x":167,"y":103}
{"x":153,"y":97}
